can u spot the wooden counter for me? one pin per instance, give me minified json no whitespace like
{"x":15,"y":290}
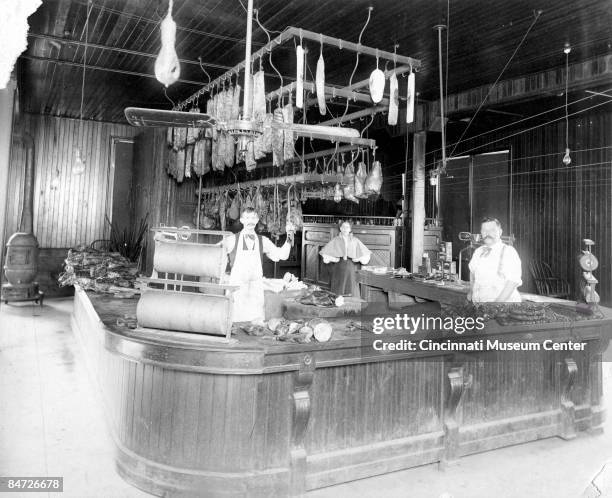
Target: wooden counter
{"x":258,"y":417}
{"x":448,"y":294}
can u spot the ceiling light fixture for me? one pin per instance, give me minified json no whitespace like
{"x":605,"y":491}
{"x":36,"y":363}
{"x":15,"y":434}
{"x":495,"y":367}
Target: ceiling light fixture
{"x":567,"y":160}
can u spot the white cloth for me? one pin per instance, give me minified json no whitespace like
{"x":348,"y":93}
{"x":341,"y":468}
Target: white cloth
{"x":248,"y":301}
{"x":492,"y":272}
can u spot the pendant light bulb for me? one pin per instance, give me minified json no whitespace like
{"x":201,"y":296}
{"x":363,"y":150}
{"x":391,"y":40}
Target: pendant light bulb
{"x":567,"y":160}
{"x":79,"y":164}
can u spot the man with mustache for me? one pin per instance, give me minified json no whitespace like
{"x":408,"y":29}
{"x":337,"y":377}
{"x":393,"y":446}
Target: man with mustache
{"x":495,"y":268}
{"x":245,"y":253}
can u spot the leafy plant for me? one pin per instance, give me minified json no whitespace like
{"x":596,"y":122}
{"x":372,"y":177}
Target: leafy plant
{"x":129,"y":241}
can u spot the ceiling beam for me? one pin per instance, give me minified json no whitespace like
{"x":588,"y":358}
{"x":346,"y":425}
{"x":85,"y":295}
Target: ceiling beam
{"x":139,"y":18}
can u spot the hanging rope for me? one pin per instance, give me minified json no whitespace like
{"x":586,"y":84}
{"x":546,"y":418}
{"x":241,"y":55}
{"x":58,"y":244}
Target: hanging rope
{"x":537,"y":16}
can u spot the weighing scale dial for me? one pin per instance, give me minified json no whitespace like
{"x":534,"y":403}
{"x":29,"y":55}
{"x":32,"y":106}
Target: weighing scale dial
{"x":588,"y":262}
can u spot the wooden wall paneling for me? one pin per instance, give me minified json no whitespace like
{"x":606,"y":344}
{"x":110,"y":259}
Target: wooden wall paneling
{"x":555,"y":207}
{"x":92,"y":206}
{"x":73,"y":213}
{"x":55,"y":144}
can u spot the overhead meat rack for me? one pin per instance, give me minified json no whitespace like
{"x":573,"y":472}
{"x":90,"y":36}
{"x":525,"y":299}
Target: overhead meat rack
{"x":289,"y":34}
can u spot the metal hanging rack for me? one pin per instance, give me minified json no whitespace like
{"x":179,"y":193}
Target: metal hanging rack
{"x":288,"y":34}
{"x":301,"y":178}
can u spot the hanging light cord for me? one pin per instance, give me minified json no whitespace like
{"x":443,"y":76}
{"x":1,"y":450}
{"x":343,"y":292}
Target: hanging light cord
{"x":89,"y":7}
{"x":566,"y":89}
{"x":537,"y":15}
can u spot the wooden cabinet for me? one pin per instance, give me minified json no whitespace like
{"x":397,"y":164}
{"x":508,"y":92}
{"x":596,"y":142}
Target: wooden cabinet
{"x":314,"y":237}
{"x":383,"y":241}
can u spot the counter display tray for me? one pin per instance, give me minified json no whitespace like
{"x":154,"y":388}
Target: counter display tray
{"x":353,"y":306}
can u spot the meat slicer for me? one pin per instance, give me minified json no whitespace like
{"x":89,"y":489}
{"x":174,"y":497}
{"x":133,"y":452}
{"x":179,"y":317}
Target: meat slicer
{"x":184,"y":292}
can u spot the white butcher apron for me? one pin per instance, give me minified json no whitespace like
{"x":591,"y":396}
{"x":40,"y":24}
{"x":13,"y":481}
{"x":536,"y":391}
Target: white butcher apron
{"x":488,"y":280}
{"x":247,"y":273}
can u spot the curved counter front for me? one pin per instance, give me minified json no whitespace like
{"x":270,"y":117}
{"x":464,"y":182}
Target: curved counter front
{"x":255,"y":417}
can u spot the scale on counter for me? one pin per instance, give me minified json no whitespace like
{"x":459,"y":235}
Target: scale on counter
{"x":588,"y":264}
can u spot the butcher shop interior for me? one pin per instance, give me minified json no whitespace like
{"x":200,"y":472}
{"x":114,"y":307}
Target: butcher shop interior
{"x":273,"y":248}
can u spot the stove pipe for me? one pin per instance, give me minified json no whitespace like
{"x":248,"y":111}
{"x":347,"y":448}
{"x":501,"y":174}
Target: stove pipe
{"x":21,"y":264}
{"x":26,"y":222}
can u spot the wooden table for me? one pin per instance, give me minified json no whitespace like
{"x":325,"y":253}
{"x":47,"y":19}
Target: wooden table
{"x":258,"y":417}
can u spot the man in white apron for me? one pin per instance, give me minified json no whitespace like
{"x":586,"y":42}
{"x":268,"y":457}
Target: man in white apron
{"x":245,"y":251}
{"x":495,"y":268}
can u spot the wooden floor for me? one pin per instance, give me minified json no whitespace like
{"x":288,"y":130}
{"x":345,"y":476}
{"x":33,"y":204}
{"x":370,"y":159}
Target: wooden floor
{"x":51,"y":424}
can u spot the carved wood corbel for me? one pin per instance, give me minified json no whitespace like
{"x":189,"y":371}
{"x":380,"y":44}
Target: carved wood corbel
{"x":568,"y":415}
{"x":458,"y":383}
{"x":301,"y":414}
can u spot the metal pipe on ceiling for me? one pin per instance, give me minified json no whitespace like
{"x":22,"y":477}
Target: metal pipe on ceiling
{"x":100,"y":68}
{"x":64,"y":41}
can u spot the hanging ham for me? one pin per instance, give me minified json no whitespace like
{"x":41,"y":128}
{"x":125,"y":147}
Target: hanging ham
{"x":349,"y":179}
{"x":337,"y":193}
{"x":267,"y":133}
{"x":294,"y":210}
{"x":180,"y":136}
{"x":167,"y":67}
{"x":410,"y":99}
{"x":377,"y":85}
{"x":260,"y":205}
{"x":171,"y":167}
{"x":288,"y":149}
{"x":393,"y":100}
{"x":249,"y":159}
{"x":188,"y":160}
{"x":259,"y":96}
{"x":320,"y":84}
{"x":278,"y":140}
{"x":360,"y":178}
{"x":223,"y":209}
{"x":374,"y":180}
{"x":192,"y":133}
{"x":234,"y":210}
{"x":180,"y":165}
{"x":299,"y":79}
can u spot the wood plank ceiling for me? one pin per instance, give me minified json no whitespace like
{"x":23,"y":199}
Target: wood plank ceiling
{"x":124,"y":38}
